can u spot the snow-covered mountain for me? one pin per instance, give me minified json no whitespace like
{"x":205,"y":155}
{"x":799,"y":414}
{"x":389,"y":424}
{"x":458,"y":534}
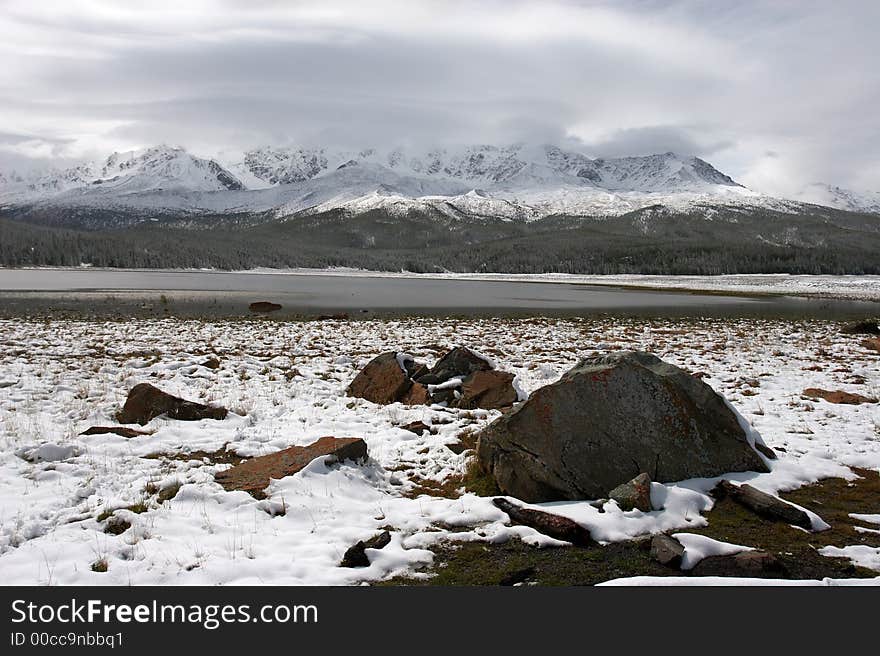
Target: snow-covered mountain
{"x":518,"y":182}
{"x":843,"y":199}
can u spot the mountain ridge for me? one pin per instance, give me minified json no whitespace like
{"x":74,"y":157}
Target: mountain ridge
{"x":518,"y":182}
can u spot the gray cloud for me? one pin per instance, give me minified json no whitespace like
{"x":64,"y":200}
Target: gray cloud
{"x":731,"y":84}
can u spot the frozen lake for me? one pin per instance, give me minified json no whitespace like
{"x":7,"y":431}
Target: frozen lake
{"x":229,"y":293}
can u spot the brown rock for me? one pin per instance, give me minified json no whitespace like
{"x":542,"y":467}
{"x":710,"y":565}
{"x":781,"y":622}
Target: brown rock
{"x":489,"y":390}
{"x":264,"y":306}
{"x":556,"y":526}
{"x":872,"y":343}
{"x":763,"y":504}
{"x":416,"y":395}
{"x":751,"y":564}
{"x":417,"y":427}
{"x":381,"y":381}
{"x":838,"y":396}
{"x":253,"y":475}
{"x":667,"y":550}
{"x":122,"y":431}
{"x":146,"y":402}
{"x":212,"y":363}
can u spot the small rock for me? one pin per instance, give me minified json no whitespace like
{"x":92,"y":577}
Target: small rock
{"x":763,"y":504}
{"x":838,"y":396}
{"x":253,"y":475}
{"x":556,"y":526}
{"x":766,"y":450}
{"x":212,"y":363}
{"x":634,"y":494}
{"x":122,"y":431}
{"x":146,"y":402}
{"x":356,"y":555}
{"x":750,"y":564}
{"x":667,"y":551}
{"x":417,"y":427}
{"x":264,"y":306}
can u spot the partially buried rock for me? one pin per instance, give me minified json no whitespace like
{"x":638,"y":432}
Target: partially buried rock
{"x":837,"y":396}
{"x":382,"y":381}
{"x":253,"y":475}
{"x":556,"y":526}
{"x":748,"y":564}
{"x":634,"y":495}
{"x":582,"y":436}
{"x":761,"y":503}
{"x":122,"y":431}
{"x":356,"y":555}
{"x":667,"y":551}
{"x":146,"y":402}
{"x":263,"y":307}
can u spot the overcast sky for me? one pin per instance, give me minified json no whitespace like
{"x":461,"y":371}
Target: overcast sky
{"x":775,"y":94}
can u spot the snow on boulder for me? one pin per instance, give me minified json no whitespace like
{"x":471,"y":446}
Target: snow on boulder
{"x":145,"y":402}
{"x":254,"y":475}
{"x":609,"y":418}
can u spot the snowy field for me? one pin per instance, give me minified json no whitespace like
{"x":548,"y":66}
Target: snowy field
{"x":856,"y":288}
{"x":285,"y":385}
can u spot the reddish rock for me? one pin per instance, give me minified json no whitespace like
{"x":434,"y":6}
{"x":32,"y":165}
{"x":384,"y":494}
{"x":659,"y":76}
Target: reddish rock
{"x":489,"y":390}
{"x":837,"y":396}
{"x":146,"y":402}
{"x":417,"y":427}
{"x":122,"y":431}
{"x":872,"y":343}
{"x":253,"y":475}
{"x":264,"y":306}
{"x":416,"y":395}
{"x":381,"y":381}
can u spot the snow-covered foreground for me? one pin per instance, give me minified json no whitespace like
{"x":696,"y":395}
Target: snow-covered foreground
{"x":285,"y":385}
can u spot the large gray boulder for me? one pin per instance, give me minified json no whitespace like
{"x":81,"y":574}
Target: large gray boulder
{"x":605,"y":421}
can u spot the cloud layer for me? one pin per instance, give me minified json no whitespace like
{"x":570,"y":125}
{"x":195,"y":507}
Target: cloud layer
{"x":775,"y":94}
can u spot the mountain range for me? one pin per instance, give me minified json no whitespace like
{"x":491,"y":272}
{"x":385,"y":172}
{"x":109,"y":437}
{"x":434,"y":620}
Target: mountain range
{"x":512,"y":182}
{"x":469,"y":208}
